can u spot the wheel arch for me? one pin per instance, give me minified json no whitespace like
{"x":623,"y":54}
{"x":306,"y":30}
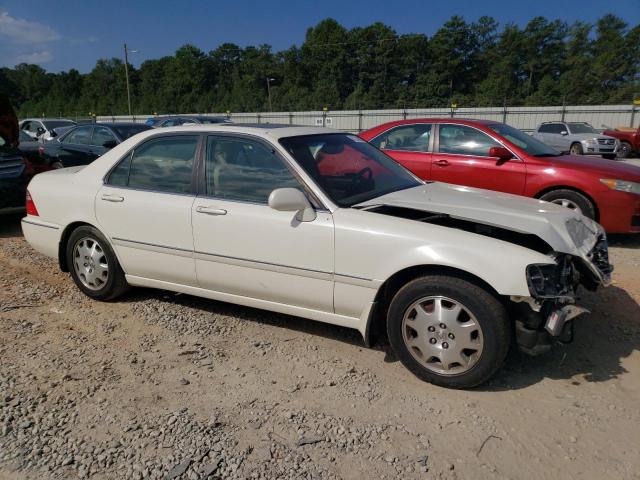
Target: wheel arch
{"x":552,"y":188}
{"x":64,"y":238}
{"x":377,"y":318}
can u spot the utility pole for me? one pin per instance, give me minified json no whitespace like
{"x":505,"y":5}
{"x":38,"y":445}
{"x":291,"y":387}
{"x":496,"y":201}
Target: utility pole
{"x":126,"y":74}
{"x":269,"y":80}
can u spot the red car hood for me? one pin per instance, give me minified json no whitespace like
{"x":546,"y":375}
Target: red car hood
{"x":605,"y":168}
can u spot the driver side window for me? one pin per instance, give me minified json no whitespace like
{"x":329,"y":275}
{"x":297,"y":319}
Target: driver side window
{"x":463,"y":140}
{"x":244,"y":170}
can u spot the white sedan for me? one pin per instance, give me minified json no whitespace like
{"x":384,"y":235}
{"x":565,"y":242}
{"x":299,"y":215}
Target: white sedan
{"x":320,"y":224}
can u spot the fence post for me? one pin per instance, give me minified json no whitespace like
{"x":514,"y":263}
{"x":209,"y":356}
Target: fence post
{"x":258,"y":118}
{"x":633,"y":111}
{"x":504,"y":110}
{"x":564,"y":108}
{"x":324,"y":117}
{"x":359,"y":121}
{"x":404,"y":113}
{"x":290,"y":118}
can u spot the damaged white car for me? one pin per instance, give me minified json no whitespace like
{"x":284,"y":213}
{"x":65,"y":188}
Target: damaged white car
{"x":322,"y":225}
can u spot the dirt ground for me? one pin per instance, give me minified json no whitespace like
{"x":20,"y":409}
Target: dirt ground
{"x":159,"y":385}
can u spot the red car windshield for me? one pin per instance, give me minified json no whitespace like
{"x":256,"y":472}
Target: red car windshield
{"x":526,"y":142}
{"x":347,"y":168}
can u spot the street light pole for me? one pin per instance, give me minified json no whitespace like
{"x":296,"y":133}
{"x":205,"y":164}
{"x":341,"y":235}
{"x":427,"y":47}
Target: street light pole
{"x":269,"y":80}
{"x":126,"y":73}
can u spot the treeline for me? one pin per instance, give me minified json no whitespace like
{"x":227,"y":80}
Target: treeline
{"x":469,"y":64}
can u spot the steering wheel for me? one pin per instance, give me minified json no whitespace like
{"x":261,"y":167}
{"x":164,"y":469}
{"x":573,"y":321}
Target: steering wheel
{"x":361,"y":178}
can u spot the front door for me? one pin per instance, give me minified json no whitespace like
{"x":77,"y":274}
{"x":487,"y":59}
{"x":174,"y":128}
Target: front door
{"x":245,"y":248}
{"x":74,"y":147}
{"x":145,"y":209}
{"x":461,"y":157}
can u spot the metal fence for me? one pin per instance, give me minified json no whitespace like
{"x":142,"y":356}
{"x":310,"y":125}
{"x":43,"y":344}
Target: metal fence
{"x":524,"y":118}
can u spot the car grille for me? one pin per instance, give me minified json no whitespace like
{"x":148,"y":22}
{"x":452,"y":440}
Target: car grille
{"x":599,"y":256}
{"x":11,"y":168}
{"x":606,"y":141}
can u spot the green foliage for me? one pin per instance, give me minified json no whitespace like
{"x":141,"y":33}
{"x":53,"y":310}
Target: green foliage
{"x":469,"y":64}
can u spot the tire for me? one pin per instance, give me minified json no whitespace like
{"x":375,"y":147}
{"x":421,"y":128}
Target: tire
{"x":98,"y":275}
{"x":576,"y":149}
{"x":573,"y":200}
{"x":609,"y":157}
{"x":482,"y":315}
{"x":624,"y":150}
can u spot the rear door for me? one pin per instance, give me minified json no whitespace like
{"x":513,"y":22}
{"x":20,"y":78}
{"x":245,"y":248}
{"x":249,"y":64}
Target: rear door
{"x":74,"y":147}
{"x":410,"y":145}
{"x":461,"y":157}
{"x":145,"y":209}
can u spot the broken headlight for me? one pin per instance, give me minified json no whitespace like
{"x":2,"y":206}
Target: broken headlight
{"x":551,"y":280}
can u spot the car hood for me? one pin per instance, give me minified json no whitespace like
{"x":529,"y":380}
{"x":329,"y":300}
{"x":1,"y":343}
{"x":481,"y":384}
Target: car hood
{"x":566,"y":231}
{"x":606,"y":168}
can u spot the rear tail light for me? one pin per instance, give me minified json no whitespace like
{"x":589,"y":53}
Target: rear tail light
{"x":31,"y":206}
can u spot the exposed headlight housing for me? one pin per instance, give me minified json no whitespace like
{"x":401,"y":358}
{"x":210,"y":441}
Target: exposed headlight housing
{"x":551,"y":280}
{"x":591,"y":141}
{"x":622,"y":185}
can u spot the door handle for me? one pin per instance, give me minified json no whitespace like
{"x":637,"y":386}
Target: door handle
{"x":442,"y":163}
{"x":107,"y":197}
{"x":211,"y":210}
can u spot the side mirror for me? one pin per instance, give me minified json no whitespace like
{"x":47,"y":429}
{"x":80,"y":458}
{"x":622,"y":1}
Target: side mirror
{"x":501,"y":153}
{"x":292,"y":200}
{"x":564,"y":132}
{"x":40,"y":130}
{"x":109,"y":144}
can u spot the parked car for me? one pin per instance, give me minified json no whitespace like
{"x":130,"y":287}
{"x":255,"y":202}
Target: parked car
{"x":629,"y":139}
{"x":174,"y":121}
{"x":41,"y":128}
{"x":83,"y":144}
{"x":495,"y":156}
{"x":577,"y":138}
{"x":320,"y":224}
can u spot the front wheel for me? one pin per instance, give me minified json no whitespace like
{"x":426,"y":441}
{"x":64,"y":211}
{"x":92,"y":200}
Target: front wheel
{"x":572,"y":200}
{"x":93,"y":264}
{"x":448,"y":331}
{"x":576,"y":149}
{"x":624,"y":150}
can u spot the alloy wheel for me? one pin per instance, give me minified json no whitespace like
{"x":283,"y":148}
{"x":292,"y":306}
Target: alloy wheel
{"x":567,"y":204}
{"x":442,"y":335}
{"x":90,"y":263}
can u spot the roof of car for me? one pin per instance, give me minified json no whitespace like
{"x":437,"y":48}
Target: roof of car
{"x":272,"y":131}
{"x":47,"y":120}
{"x":121,"y":124}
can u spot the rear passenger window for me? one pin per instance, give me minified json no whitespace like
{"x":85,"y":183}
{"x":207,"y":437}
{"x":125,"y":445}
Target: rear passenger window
{"x":412,"y":138}
{"x":164,"y":165}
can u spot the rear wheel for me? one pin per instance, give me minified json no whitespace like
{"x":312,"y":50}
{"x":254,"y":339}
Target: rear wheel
{"x":624,"y":150}
{"x":572,"y":200}
{"x":448,"y":331}
{"x":576,"y":149}
{"x":93,"y":265}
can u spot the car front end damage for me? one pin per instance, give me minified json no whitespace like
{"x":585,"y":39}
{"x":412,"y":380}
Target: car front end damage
{"x":546,"y":317}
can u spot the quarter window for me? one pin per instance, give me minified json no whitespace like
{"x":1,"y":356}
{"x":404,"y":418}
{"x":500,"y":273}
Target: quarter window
{"x":163,"y":164}
{"x":463,"y":140}
{"x":413,"y":138}
{"x":244,"y":170}
{"x":79,"y":136}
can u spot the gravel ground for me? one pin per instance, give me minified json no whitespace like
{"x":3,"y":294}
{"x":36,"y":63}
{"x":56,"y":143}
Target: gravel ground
{"x":162,"y":386}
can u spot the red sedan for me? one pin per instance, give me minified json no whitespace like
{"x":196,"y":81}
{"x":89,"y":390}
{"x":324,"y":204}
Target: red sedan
{"x":495,"y":156}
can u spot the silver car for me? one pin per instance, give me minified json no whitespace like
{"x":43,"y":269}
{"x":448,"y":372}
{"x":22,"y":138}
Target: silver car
{"x":577,"y":138}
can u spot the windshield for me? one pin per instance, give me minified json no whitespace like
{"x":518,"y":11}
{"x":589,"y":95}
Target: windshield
{"x":126,"y":131}
{"x":581,"y":128}
{"x":525,"y":142}
{"x":347,"y":168}
{"x":51,"y":124}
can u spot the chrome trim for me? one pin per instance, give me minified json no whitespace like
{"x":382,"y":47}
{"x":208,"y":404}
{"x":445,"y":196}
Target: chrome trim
{"x":248,"y":263}
{"x":40,"y":224}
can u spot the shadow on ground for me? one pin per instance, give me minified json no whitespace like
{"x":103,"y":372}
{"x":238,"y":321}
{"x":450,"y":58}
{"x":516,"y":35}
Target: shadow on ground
{"x":10,"y":225}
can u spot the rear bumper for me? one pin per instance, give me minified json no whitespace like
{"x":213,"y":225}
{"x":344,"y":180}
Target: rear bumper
{"x":42,"y":236}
